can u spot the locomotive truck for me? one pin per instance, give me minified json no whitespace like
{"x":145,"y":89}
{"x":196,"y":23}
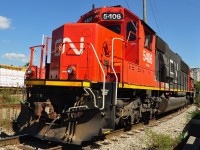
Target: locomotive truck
{"x":108,"y":69}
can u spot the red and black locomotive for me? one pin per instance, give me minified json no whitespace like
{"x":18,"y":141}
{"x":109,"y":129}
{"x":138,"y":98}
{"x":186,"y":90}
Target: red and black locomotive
{"x":107,"y":70}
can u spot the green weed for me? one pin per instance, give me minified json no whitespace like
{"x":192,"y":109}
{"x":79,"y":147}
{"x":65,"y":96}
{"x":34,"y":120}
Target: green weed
{"x":7,"y":97}
{"x":193,"y":115}
{"x":158,"y":141}
{"x":197,"y":101}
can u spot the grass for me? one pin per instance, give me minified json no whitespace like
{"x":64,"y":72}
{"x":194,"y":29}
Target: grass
{"x":6,"y":117}
{"x":159,"y":141}
{"x":197,"y":101}
{"x":196,"y":113}
{"x":7,"y":96}
{"x":6,"y":124}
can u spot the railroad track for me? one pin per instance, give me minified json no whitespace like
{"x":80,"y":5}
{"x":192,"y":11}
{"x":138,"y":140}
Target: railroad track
{"x":13,"y":140}
{"x":141,"y":127}
{"x":23,"y":142}
{"x":14,"y":106}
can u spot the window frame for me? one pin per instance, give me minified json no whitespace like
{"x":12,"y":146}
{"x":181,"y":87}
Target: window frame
{"x":131,"y":35}
{"x":148,"y":39}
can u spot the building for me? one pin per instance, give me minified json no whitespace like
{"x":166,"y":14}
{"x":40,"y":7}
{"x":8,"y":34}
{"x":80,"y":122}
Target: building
{"x":12,"y":76}
{"x":195,"y":74}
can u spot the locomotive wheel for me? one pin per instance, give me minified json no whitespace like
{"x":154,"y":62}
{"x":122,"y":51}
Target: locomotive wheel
{"x":15,"y":126}
{"x":146,"y":117}
{"x":127,"y":123}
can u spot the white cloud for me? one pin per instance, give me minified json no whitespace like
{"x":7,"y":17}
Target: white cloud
{"x":14,"y":56}
{"x":6,"y":41}
{"x":5,"y":23}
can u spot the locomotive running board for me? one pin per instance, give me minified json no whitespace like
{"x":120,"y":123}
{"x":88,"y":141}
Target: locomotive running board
{"x":58,"y":83}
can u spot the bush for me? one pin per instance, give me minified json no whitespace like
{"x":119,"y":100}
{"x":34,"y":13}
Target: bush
{"x":7,"y":97}
{"x":197,"y":100}
{"x":159,"y":141}
{"x":180,"y":138}
{"x":194,"y":115}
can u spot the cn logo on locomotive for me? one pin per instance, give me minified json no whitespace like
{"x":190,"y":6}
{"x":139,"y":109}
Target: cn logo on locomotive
{"x":65,"y":41}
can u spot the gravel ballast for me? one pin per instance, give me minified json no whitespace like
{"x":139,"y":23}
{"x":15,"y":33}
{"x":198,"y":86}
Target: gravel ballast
{"x":136,"y":139}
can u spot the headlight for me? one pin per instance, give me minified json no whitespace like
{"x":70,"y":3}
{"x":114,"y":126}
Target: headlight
{"x":29,"y":71}
{"x":71,"y":70}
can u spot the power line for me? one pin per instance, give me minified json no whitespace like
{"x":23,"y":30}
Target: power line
{"x":155,"y":18}
{"x":162,"y":34}
{"x":127,"y":4}
{"x":155,"y":15}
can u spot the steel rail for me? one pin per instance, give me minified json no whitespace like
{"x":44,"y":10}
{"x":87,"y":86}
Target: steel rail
{"x":153,"y":122}
{"x":11,"y":140}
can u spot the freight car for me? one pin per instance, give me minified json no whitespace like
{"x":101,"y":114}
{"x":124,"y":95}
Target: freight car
{"x":107,"y":70}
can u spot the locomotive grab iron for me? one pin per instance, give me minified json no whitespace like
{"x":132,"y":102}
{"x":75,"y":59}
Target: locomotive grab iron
{"x":109,"y":69}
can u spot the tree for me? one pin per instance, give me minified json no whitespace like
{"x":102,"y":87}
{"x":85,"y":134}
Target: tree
{"x":27,"y":64}
{"x":197,"y":87}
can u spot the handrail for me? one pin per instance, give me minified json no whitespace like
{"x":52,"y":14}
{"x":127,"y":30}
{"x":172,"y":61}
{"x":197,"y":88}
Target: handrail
{"x":116,"y":86}
{"x":129,"y":34}
{"x":76,"y":107}
{"x":95,"y":101}
{"x":104,"y":76}
{"x":41,"y":58}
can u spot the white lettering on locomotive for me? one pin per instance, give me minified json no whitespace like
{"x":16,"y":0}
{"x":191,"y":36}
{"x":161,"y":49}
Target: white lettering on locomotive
{"x":76,"y":51}
{"x":65,"y":41}
{"x":147,"y":57}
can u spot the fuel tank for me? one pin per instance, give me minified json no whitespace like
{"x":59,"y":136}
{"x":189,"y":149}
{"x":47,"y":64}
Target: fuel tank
{"x":171,"y":103}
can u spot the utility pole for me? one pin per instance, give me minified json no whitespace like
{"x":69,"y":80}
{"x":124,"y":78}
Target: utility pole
{"x":144,"y":11}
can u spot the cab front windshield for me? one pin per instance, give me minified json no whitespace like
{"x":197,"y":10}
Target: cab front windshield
{"x":114,"y":28}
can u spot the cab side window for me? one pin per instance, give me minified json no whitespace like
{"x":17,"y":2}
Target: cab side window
{"x":148,"y":39}
{"x":172,"y":66}
{"x":131,"y":31}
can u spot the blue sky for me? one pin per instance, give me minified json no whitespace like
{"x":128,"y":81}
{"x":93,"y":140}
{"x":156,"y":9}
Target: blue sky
{"x":23,"y":22}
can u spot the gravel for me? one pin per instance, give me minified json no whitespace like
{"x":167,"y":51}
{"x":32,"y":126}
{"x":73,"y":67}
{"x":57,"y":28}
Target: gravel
{"x":136,"y":139}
